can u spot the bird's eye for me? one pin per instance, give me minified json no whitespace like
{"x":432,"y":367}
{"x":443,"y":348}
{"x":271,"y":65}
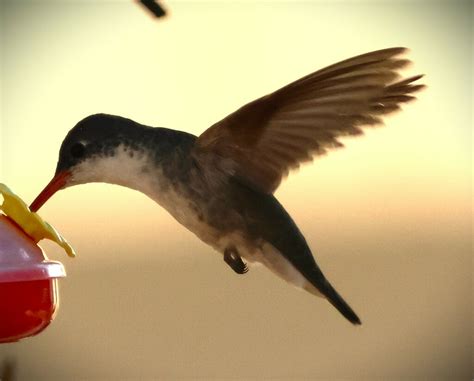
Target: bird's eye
{"x":78,"y":150}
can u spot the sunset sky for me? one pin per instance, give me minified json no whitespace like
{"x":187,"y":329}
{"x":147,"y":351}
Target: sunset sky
{"x":388,"y":217}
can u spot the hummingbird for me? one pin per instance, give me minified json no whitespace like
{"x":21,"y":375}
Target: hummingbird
{"x":220,"y":185}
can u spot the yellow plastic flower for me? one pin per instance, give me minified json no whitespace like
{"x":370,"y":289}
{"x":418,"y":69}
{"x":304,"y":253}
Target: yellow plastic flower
{"x":32,"y":224}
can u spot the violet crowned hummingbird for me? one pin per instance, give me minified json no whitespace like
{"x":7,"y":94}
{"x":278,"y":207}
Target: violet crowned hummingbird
{"x":220,"y":185}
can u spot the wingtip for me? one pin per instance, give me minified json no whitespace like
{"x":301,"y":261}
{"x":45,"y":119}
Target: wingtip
{"x":402,"y":48}
{"x":397,"y":50}
{"x":417,"y":77}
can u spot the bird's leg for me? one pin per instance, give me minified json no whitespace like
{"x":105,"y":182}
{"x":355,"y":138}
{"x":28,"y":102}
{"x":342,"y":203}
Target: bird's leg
{"x":233,"y":259}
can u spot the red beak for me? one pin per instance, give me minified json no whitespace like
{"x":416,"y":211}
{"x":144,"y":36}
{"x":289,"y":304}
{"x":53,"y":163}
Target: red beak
{"x":54,"y":185}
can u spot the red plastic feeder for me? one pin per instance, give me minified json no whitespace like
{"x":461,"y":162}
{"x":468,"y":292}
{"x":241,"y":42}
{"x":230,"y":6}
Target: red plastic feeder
{"x":28,"y":284}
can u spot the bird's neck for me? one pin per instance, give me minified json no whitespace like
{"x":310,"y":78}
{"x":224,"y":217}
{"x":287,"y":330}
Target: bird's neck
{"x":147,"y":165}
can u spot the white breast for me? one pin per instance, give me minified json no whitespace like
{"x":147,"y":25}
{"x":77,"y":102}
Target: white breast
{"x":183,"y":210}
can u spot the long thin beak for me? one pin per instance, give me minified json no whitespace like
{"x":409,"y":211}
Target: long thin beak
{"x":57,"y":183}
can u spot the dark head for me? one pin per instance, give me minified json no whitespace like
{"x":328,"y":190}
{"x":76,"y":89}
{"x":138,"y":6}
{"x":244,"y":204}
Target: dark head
{"x":100,"y":148}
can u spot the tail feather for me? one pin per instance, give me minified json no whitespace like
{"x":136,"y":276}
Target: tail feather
{"x":285,"y":251}
{"x":336,"y":300}
{"x":307,"y":275}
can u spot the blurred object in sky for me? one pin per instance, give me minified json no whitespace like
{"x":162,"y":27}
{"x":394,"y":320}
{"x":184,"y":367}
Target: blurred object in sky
{"x":155,"y":8}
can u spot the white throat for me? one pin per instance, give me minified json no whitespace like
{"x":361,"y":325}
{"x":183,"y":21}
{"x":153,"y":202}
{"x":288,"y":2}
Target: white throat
{"x":126,"y":167}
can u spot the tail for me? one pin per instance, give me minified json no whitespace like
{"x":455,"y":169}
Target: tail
{"x":319,"y":281}
{"x":301,"y":270}
{"x":286,"y":252}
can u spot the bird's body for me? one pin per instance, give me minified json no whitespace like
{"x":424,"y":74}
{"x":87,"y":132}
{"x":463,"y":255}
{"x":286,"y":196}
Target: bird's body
{"x":224,"y":214}
{"x":220,"y":185}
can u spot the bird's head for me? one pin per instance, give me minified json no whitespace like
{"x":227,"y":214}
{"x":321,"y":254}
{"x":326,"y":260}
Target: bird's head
{"x":98,"y":149}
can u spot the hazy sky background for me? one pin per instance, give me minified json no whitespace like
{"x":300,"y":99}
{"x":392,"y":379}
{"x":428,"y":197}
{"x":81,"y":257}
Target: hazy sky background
{"x":388,"y":217}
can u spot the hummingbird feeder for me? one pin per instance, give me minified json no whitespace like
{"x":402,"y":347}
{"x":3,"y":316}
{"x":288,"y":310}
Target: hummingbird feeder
{"x":28,"y":279}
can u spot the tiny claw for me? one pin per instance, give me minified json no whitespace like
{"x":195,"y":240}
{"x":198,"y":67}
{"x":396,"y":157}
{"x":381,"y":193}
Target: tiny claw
{"x":233,"y":259}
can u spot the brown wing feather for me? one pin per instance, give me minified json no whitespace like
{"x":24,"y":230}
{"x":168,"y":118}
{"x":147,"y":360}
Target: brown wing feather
{"x":268,"y":137}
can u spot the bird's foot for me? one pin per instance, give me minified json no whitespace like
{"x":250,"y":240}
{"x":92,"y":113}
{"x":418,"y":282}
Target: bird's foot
{"x":233,"y":259}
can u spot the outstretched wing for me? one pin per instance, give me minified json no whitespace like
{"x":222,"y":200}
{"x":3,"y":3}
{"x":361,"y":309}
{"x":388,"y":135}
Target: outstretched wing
{"x":266,"y":138}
